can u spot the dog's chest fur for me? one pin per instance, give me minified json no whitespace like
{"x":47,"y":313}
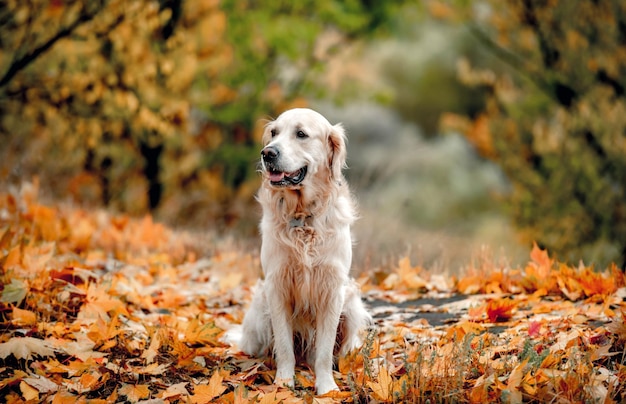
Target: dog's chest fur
{"x":298,"y":222}
{"x":299,"y":227}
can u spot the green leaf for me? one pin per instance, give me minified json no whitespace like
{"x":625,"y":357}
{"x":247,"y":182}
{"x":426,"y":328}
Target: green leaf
{"x":14,"y":292}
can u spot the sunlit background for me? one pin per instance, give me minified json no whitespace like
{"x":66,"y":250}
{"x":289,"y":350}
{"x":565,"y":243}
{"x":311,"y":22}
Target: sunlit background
{"x":475,"y":128}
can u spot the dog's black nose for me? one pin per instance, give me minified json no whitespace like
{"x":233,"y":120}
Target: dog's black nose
{"x":270,"y":153}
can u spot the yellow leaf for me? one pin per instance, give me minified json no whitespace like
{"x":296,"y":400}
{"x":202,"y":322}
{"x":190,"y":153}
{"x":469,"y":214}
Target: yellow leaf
{"x":153,"y":350}
{"x":204,"y":393}
{"x":409,"y":276}
{"x":24,"y":317}
{"x":64,"y":397}
{"x":134,"y":393}
{"x":17,"y":376}
{"x":601,"y":352}
{"x":515,"y":380}
{"x":14,"y":257}
{"x":100,"y":304}
{"x":382,"y":388}
{"x":153,"y":369}
{"x":88,"y":381}
{"x":279,"y":395}
{"x":29,"y":392}
{"x":202,"y":333}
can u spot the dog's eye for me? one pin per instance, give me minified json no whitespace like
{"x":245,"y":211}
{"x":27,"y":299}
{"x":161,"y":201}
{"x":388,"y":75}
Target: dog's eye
{"x":301,"y":134}
{"x":273,"y":132}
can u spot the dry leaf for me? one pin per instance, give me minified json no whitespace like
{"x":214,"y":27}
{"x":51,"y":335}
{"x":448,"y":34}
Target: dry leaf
{"x":382,"y":387}
{"x":135,"y":393}
{"x":28,"y":392}
{"x":153,"y":350}
{"x":140,"y":317}
{"x":42,"y":384}
{"x":14,"y":292}
{"x":23,"y":317}
{"x":175,"y":391}
{"x":206,"y":393}
{"x":25,"y":348}
{"x":500,"y":310}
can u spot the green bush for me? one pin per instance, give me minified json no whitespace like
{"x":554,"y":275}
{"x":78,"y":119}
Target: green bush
{"x":155,"y":104}
{"x":555,"y":121}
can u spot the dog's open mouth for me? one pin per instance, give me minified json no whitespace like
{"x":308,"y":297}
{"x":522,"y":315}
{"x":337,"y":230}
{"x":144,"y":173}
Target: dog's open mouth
{"x":281,"y":178}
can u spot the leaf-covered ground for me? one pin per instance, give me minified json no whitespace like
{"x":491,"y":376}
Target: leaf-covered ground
{"x":96,"y":307}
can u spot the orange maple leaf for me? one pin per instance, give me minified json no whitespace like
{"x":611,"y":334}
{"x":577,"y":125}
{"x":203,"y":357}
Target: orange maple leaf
{"x":134,"y":393}
{"x":382,"y":388}
{"x":594,"y":283}
{"x":540,"y":257}
{"x":500,"y":310}
{"x":537,"y":274}
{"x":28,"y":392}
{"x":198,"y":332}
{"x":204,"y":393}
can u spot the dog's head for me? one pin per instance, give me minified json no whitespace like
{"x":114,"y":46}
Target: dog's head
{"x":302,"y":146}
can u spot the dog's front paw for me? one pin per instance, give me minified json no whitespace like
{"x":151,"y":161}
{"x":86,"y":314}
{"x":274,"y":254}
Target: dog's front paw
{"x":284,"y":377}
{"x":325,"y":384}
{"x":284,"y":382}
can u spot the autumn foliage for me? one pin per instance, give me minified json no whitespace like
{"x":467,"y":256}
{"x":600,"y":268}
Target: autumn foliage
{"x":554,"y":117}
{"x":158,"y":106}
{"x":105,"y":308}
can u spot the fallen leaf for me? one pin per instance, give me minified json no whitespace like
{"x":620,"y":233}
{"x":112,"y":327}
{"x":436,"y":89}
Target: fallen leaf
{"x":14,"y":292}
{"x":135,"y":392}
{"x":18,"y":376}
{"x":540,"y":257}
{"x":25,"y":348}
{"x":515,"y":381}
{"x":84,"y":383}
{"x":200,"y":332}
{"x":382,"y":387}
{"x":23,"y":317}
{"x":204,"y":393}
{"x":63,"y":397}
{"x":175,"y":390}
{"x":500,"y":310}
{"x":28,"y":392}
{"x":42,"y":384}
{"x":153,"y":369}
{"x":533,"y":328}
{"x":14,"y":257}
{"x":82,"y":348}
{"x":153,"y":350}
{"x":602,"y":352}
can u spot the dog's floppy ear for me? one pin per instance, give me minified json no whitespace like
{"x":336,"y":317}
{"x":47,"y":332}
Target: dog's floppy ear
{"x":337,"y":155}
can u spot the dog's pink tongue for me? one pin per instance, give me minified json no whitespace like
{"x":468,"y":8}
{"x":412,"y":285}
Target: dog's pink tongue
{"x":276,"y":176}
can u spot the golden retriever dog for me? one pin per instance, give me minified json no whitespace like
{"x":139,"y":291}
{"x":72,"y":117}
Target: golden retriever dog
{"x":307,"y":306}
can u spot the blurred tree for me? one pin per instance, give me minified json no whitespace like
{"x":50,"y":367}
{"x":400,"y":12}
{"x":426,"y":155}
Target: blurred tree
{"x":555,"y":120}
{"x":147,"y":104}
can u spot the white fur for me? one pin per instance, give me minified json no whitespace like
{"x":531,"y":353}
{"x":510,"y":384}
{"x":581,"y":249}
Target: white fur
{"x":307,"y":291}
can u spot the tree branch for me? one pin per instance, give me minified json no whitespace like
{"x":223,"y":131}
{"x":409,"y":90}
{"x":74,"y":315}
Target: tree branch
{"x":556,"y":90}
{"x":22,"y":62}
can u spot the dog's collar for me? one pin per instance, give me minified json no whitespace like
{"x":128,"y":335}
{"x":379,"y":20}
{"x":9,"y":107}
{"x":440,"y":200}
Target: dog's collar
{"x":301,"y":221}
